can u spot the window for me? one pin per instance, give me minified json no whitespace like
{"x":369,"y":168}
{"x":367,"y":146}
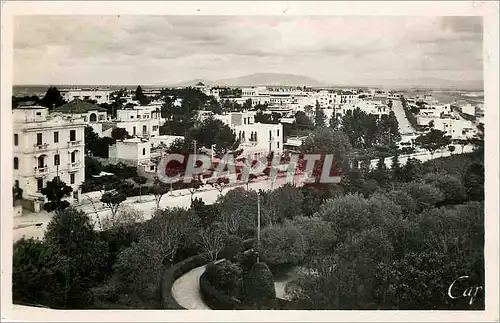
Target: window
{"x":139,"y":116}
{"x":131,"y":117}
{"x":16,"y":139}
{"x":144,"y":129}
{"x":38,"y":113}
{"x":39,"y":184}
{"x":72,"y":135}
{"x":143,"y":151}
{"x":278,"y":133}
{"x":270,"y":135}
{"x":56,"y":137}
{"x":72,"y":178}
{"x":152,"y":167}
{"x":57,"y":160}
{"x":41,"y":162}
{"x":73,"y":157}
{"x":133,"y":132}
{"x":278,"y":143}
{"x":16,"y":163}
{"x":39,"y":139}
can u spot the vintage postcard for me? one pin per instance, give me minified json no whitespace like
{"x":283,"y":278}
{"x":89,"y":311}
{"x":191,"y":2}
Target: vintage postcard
{"x":250,"y":161}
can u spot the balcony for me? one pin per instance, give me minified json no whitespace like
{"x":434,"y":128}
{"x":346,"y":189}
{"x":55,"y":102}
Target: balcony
{"x":41,"y":171}
{"x":73,"y":167}
{"x":41,"y":147}
{"x":74,"y":143}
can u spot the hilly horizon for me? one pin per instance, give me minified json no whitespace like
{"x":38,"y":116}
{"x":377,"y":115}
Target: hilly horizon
{"x":279,"y":79}
{"x":282,"y":79}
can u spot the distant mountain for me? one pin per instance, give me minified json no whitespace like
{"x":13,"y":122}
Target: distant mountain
{"x":276,"y":79}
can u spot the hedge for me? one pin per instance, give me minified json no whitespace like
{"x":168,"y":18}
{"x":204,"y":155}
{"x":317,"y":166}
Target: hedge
{"x":179,"y":269}
{"x":218,"y":300}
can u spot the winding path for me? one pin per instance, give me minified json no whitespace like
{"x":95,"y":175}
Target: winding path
{"x":186,"y":290}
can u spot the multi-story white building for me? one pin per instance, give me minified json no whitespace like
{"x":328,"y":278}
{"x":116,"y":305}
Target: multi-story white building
{"x":91,"y":114}
{"x":141,"y":121}
{"x":99,"y":95}
{"x":455,"y":127}
{"x":46,"y":146}
{"x":257,"y":139}
{"x":133,"y":152}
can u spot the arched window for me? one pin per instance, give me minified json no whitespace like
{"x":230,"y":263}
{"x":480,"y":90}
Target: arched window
{"x":93,"y":117}
{"x":16,"y":163}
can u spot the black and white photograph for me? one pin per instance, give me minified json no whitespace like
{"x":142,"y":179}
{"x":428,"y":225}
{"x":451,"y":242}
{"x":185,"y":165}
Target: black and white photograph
{"x":269,"y":162}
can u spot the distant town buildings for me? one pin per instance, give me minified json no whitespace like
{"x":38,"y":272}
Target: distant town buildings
{"x":95,"y":94}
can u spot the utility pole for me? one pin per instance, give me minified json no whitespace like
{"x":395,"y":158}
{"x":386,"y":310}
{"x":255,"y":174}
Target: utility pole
{"x":258,"y":225}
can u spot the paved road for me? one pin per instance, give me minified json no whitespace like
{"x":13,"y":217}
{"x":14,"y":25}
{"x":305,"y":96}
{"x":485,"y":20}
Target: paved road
{"x":186,"y":290}
{"x":147,"y":206}
{"x":404,"y":125}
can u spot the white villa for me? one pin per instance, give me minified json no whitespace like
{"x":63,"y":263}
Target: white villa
{"x":141,"y":121}
{"x":46,"y":146}
{"x":91,"y":114}
{"x":97,"y":94}
{"x":133,"y":152}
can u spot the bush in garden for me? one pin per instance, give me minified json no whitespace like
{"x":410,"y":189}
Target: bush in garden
{"x":225,"y":276}
{"x":282,"y":245}
{"x":233,"y":246}
{"x":318,"y":234}
{"x":259,"y":284}
{"x":246,"y":260}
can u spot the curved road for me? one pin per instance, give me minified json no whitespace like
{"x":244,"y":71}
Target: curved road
{"x":186,"y":289}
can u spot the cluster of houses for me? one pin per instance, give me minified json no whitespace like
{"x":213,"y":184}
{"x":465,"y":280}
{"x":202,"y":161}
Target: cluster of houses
{"x":459,"y":120}
{"x":52,"y":144}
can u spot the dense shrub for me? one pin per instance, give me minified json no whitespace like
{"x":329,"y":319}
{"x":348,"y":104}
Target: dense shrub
{"x":259,"y":284}
{"x":319,"y":237}
{"x":451,"y":186}
{"x":425,"y":195}
{"x":233,"y":246}
{"x":225,"y":276}
{"x":282,"y":245}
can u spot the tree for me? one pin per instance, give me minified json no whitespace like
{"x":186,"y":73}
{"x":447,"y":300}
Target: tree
{"x":113,"y":199}
{"x":139,"y":96}
{"x":215,"y":132}
{"x":139,"y":268}
{"x":320,"y":239}
{"x":52,"y":99}
{"x":220,"y":184}
{"x":325,"y":141}
{"x":124,"y":217}
{"x":334,"y":121}
{"x":119,"y":134}
{"x":425,"y":195}
{"x":17,"y":192}
{"x":396,"y":168}
{"x":211,"y":240}
{"x":283,"y":203}
{"x":55,"y":191}
{"x":259,"y":284}
{"x":282,"y":245}
{"x":140,"y":180}
{"x":168,"y":228}
{"x":451,"y":148}
{"x":194,"y":186}
{"x":159,"y":189}
{"x":72,"y":233}
{"x":432,"y":141}
{"x":474,"y":182}
{"x":38,"y":273}
{"x":92,"y":167}
{"x":238,"y":212}
{"x":319,"y":116}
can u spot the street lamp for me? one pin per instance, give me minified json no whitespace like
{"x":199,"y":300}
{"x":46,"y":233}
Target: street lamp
{"x":258,"y":225}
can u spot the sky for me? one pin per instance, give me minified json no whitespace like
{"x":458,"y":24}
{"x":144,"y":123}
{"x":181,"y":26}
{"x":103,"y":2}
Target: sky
{"x":162,"y":50}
